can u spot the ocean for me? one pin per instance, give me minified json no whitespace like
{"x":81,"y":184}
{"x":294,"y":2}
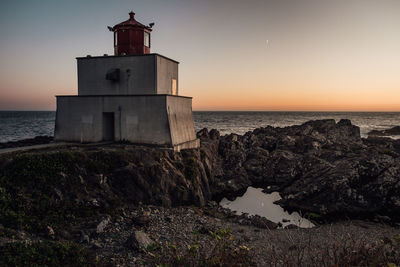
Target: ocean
{"x":17,"y":125}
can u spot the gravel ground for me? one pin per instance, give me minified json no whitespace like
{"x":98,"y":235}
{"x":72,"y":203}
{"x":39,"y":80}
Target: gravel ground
{"x":114,"y":242}
{"x":182,"y":226}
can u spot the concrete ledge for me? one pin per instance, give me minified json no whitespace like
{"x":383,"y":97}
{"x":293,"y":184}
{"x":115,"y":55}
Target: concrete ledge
{"x":112,"y":56}
{"x":187,"y":145}
{"x":152,"y":95}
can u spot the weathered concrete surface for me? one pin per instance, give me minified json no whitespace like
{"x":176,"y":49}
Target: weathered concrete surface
{"x":146,"y":119}
{"x":141,"y":74}
{"x":166,"y":71}
{"x":142,"y":106}
{"x":180,"y":120}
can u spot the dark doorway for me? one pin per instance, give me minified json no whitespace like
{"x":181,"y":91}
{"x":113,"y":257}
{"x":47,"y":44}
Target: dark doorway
{"x":108,"y":126}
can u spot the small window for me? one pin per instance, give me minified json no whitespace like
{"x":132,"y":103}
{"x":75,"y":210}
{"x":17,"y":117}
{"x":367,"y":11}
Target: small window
{"x":147,"y":39}
{"x":174,"y":89}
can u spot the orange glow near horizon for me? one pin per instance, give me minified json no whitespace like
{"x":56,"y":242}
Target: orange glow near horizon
{"x":295,"y":103}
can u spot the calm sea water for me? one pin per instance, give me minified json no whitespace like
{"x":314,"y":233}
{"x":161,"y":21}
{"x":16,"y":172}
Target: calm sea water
{"x":17,"y":125}
{"x":241,"y":122}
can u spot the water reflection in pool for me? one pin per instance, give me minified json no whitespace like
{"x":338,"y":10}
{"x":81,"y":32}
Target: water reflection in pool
{"x":255,"y":202}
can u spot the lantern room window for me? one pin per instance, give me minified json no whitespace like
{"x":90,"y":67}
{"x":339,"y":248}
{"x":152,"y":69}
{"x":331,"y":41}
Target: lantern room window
{"x":147,"y":39}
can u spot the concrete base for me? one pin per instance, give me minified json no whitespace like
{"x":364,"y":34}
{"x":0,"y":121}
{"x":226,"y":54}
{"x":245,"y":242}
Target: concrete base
{"x":187,"y":145}
{"x":164,"y":120}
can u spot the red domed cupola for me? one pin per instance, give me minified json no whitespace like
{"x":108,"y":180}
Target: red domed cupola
{"x":131,"y":37}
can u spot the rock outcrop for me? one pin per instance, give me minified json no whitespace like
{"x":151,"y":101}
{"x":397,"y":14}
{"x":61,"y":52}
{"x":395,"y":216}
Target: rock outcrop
{"x":388,"y":132}
{"x":321,"y":167}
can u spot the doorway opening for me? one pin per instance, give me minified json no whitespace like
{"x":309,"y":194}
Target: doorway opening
{"x":108,"y":126}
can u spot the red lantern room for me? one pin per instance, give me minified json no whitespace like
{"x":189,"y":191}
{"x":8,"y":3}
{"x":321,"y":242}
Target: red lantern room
{"x":131,"y":37}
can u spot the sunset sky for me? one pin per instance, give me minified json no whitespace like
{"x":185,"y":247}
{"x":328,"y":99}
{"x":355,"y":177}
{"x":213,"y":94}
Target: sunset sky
{"x":338,"y":55}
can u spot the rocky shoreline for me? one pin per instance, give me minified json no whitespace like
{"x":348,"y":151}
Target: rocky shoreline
{"x":395,"y":131}
{"x":320,"y":167}
{"x":96,"y":199}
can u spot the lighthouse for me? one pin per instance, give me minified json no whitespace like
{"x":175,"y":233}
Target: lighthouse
{"x":130,"y":96}
{"x":131,"y":37}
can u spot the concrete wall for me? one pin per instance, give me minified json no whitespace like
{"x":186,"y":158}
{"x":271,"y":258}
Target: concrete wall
{"x":180,"y":119}
{"x":143,"y":74}
{"x":138,"y":119}
{"x":152,"y":119}
{"x":76,"y":121}
{"x":137,"y":75}
{"x":166,"y":71}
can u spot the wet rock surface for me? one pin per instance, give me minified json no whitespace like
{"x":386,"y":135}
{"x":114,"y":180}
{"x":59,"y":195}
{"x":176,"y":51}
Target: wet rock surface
{"x":388,"y":132}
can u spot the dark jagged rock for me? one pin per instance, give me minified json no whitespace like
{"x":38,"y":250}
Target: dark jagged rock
{"x":388,"y":132}
{"x":321,"y":167}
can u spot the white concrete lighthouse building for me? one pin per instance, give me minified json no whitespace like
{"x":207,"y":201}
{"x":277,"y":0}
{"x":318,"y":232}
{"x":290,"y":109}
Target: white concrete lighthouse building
{"x":131,"y":96}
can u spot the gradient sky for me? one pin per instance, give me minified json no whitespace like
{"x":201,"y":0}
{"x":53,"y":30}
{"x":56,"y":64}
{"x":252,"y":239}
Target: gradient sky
{"x":234,"y":55}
